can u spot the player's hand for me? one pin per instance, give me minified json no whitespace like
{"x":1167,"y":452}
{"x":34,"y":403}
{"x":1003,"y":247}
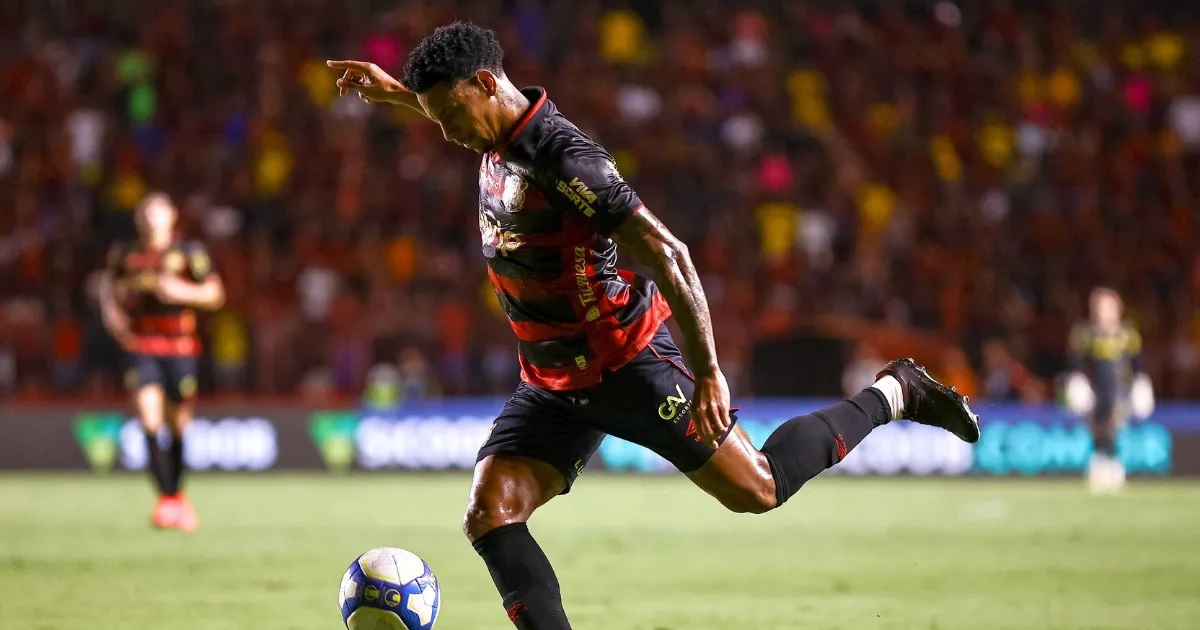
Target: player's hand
{"x":173,"y":290}
{"x":366,"y":79}
{"x":710,"y":408}
{"x":1078,"y":395}
{"x":1141,"y":397}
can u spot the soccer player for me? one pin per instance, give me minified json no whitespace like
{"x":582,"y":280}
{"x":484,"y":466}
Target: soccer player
{"x":595,"y":355}
{"x":148,"y":301}
{"x":1107,"y":383}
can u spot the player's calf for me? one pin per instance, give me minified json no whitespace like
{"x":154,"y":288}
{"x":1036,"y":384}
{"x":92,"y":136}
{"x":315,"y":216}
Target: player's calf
{"x":805,"y":446}
{"x":148,"y":399}
{"x":179,"y":414}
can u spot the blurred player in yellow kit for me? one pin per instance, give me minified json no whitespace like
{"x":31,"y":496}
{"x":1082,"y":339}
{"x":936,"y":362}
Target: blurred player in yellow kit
{"x":1107,"y":383}
{"x":148,"y":300}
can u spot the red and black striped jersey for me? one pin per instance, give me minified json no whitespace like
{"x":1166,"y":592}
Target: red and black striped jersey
{"x":158,"y":328}
{"x":549,"y":199}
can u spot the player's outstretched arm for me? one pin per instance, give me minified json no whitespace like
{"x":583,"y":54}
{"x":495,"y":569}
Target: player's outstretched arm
{"x":645,"y":238}
{"x":373,"y":85}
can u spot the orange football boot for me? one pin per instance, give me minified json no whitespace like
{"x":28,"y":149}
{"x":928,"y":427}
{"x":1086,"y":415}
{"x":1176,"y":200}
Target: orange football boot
{"x":166,"y":512}
{"x":186,"y":519}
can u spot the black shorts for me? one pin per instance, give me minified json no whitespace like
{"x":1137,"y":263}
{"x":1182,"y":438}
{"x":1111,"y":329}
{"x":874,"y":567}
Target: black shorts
{"x":176,"y":375}
{"x":646,"y":401}
{"x":1111,"y":411}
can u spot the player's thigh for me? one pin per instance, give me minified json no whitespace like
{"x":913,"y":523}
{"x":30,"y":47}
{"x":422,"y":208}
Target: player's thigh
{"x":506,"y":489}
{"x":535,"y":450}
{"x":145,"y":378}
{"x":180,"y":381}
{"x":180,"y":387}
{"x":1105,"y":417}
{"x":545,"y":426}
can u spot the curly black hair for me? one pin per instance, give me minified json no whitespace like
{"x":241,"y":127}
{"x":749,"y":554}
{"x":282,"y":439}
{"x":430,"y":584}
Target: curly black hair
{"x":453,"y":52}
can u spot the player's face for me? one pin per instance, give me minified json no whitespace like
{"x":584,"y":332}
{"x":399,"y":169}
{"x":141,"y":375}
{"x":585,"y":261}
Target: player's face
{"x":156,"y":217}
{"x":1106,"y":308}
{"x":462,"y":110}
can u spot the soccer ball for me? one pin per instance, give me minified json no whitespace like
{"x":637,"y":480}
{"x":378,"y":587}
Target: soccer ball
{"x":389,"y":589}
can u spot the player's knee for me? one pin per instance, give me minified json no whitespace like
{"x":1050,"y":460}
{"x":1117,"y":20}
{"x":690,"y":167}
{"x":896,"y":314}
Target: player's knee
{"x":756,"y":499}
{"x":485,"y":514}
{"x":180,"y":416}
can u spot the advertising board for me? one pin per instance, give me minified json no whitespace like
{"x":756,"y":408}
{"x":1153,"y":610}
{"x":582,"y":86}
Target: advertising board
{"x":445,"y":435}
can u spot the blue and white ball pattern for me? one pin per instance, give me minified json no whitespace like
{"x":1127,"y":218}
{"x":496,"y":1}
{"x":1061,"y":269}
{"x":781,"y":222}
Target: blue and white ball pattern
{"x":389,"y":589}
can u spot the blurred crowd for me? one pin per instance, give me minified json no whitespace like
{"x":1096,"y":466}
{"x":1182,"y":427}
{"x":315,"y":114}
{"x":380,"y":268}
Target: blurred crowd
{"x":967,"y":170}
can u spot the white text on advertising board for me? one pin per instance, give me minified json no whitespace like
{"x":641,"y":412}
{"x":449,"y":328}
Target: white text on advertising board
{"x":226,"y":444}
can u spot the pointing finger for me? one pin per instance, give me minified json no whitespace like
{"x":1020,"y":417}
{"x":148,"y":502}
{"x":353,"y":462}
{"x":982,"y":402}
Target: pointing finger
{"x":349,"y":64}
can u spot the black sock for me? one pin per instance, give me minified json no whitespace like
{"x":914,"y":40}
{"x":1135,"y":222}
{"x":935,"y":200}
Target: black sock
{"x":524,"y":577}
{"x":804,"y":446}
{"x":1105,"y":445}
{"x":155,"y":462}
{"x":174,"y":465}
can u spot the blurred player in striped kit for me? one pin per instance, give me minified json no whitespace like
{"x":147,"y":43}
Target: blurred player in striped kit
{"x":1107,"y":383}
{"x":149,"y":298}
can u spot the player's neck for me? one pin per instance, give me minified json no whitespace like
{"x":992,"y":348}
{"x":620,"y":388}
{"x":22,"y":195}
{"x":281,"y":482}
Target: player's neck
{"x":158,"y":242}
{"x":513,"y":107}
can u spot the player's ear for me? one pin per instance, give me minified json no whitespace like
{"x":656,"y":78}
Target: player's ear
{"x":488,"y":81}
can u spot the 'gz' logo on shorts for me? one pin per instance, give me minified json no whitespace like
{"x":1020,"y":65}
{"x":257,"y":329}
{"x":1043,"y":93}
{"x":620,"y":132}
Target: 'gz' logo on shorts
{"x":669,"y":409}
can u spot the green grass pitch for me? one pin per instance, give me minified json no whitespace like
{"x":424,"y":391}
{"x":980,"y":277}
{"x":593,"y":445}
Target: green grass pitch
{"x":633,"y":553}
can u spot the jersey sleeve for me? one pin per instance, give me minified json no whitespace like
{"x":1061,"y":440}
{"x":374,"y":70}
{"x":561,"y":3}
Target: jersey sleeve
{"x":199,"y":265}
{"x":581,"y":177}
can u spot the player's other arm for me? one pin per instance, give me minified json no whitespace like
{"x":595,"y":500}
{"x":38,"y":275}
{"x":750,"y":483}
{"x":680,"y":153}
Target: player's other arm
{"x":202,"y":288}
{"x":649,"y":242}
{"x":644,"y":237}
{"x":373,"y":85}
{"x":115,"y":319}
{"x":584,"y":180}
{"x":1141,"y":391}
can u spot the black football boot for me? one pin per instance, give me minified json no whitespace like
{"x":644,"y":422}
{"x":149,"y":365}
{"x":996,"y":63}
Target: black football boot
{"x":929,"y":402}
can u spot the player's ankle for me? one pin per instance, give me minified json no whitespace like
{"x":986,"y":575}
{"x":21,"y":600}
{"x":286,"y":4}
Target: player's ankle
{"x":893,"y":392}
